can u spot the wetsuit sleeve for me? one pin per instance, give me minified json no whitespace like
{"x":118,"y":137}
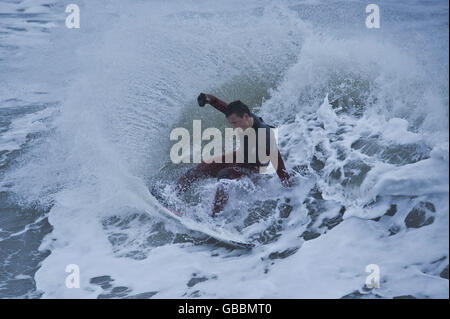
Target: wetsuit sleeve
{"x":217,"y":103}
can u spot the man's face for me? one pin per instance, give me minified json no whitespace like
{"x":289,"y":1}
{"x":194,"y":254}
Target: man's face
{"x":239,"y":122}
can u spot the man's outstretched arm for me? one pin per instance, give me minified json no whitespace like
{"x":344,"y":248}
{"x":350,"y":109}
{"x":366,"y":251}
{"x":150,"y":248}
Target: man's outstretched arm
{"x":282,"y":171}
{"x":211,"y":99}
{"x":278,"y":164}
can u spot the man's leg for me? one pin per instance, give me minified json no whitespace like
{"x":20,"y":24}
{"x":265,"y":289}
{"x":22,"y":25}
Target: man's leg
{"x":202,"y":170}
{"x":221,"y":196}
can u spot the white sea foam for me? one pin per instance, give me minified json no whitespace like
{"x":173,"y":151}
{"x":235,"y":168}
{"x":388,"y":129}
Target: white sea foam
{"x":141,"y":78}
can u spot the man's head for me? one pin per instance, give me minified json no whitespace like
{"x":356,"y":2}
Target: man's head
{"x":239,"y":115}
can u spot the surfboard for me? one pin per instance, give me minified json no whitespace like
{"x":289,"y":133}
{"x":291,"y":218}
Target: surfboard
{"x":220,"y":234}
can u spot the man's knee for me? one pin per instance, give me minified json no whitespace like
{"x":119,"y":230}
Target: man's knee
{"x":190,"y":176}
{"x":198,"y":171}
{"x":224,"y":174}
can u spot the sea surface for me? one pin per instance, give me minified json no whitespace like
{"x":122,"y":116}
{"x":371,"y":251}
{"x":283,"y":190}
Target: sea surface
{"x":85,"y":121}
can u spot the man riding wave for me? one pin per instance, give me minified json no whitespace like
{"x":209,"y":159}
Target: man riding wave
{"x":245,"y":161}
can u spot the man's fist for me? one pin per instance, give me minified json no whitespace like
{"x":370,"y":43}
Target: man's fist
{"x":202,"y":99}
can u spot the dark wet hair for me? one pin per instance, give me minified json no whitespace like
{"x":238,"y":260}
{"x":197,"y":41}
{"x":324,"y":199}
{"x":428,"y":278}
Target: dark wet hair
{"x":238,"y":108}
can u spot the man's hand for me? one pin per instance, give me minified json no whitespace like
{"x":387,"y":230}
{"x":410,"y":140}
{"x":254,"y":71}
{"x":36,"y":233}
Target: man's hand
{"x":202,"y":99}
{"x":287,"y":182}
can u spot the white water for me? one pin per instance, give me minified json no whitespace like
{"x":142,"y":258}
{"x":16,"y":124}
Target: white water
{"x":132,"y":72}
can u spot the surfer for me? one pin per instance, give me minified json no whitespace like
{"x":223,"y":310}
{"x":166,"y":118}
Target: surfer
{"x":239,"y":117}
